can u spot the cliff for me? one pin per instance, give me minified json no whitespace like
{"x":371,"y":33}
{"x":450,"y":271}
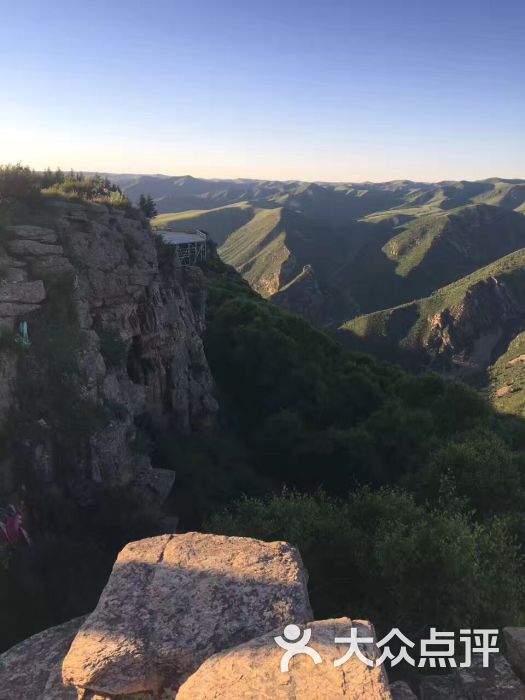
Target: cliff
{"x":113,"y":343}
{"x":462,"y":328}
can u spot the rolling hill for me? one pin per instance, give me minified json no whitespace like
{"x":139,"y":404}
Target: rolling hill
{"x":369,"y":245}
{"x":461,"y":328}
{"x":425,"y":274}
{"x":221,"y":221}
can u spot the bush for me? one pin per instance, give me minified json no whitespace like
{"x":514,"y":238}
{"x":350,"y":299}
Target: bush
{"x":312,"y":414}
{"x":93,"y":189}
{"x":18,"y":183}
{"x":62,"y":575}
{"x":381,"y":556}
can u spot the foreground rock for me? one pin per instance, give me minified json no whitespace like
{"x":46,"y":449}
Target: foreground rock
{"x":497,"y":682}
{"x":252,"y":671}
{"x":173,"y":601}
{"x":32,"y":670}
{"x":515,"y":648}
{"x":401,"y":691}
{"x":440,"y":688}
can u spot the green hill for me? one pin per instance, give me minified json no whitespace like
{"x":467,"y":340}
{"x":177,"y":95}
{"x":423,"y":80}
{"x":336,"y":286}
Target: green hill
{"x":461,"y":327}
{"x":504,"y":381}
{"x":439,"y":248}
{"x":370,"y":245}
{"x":220,"y":222}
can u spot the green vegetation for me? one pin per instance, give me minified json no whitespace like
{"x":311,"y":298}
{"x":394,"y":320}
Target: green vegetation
{"x":77,"y":525}
{"x":221,"y":221}
{"x":431,"y":527}
{"x":28,"y":196}
{"x":63,"y":573}
{"x":504,"y":382}
{"x":404,"y":493}
{"x":92,"y":189}
{"x":147,"y":206}
{"x":258,"y":250}
{"x":372,"y":246}
{"x":381,"y":556}
{"x":53,"y":404}
{"x":409,"y":325}
{"x":450,"y":245}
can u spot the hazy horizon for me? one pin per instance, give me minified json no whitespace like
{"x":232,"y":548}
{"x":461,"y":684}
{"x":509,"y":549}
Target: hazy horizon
{"x":178,"y":176}
{"x":286,"y":91}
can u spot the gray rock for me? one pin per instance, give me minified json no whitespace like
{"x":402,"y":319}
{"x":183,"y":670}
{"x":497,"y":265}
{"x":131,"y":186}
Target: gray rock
{"x":401,"y":691}
{"x":119,"y":289}
{"x":16,"y":310}
{"x":173,"y":601}
{"x":497,"y":682}
{"x":33,"y":233}
{"x":32,"y":670}
{"x":515,"y":649}
{"x":15,"y":274}
{"x":23,"y":292}
{"x":25,"y":248}
{"x":8,"y":374}
{"x":46,"y":265}
{"x":439,"y":688}
{"x":252,"y":671}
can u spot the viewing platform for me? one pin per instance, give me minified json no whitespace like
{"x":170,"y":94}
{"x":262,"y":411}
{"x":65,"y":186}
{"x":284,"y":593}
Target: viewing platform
{"x":190,"y":246}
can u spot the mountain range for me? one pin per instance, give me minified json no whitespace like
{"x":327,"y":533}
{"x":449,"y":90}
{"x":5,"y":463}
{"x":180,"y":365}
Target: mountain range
{"x":425,"y":274}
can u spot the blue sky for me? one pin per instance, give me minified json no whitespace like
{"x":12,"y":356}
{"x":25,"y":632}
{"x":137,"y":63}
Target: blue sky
{"x":333,"y":90}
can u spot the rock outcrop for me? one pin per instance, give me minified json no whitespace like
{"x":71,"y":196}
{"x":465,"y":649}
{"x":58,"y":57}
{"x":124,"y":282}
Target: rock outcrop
{"x":515,"y":647}
{"x":175,"y":600}
{"x":401,"y":691}
{"x":136,"y":319}
{"x":252,"y":671}
{"x":303,"y":297}
{"x":464,"y":337}
{"x":32,"y":670}
{"x":195,"y":617}
{"x":496,"y":682}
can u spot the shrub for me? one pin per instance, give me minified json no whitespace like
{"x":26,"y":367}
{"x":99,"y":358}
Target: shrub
{"x":381,"y":556}
{"x":62,"y":575}
{"x":92,"y":189}
{"x":147,"y":206}
{"x":18,"y":183}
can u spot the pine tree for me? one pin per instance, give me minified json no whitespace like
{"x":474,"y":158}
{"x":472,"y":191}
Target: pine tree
{"x":147,"y":206}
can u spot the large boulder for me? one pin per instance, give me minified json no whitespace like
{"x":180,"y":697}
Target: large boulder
{"x":32,"y":669}
{"x":495,"y":682}
{"x":173,"y":601}
{"x":401,"y":691}
{"x":33,"y":233}
{"x":440,"y":688}
{"x":252,"y":671}
{"x":515,"y":649}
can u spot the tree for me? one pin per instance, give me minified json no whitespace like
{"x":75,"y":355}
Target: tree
{"x":147,"y":206}
{"x":380,"y":555}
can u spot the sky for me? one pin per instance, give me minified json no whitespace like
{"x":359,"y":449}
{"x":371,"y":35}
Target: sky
{"x":330,"y":90}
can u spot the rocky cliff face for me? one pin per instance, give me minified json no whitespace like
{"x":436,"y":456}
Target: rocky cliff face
{"x":303,"y":297}
{"x":114,"y":331}
{"x":465,"y":336}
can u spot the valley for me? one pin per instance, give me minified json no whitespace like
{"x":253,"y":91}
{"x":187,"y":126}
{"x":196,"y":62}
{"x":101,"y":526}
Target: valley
{"x":427,"y":275}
